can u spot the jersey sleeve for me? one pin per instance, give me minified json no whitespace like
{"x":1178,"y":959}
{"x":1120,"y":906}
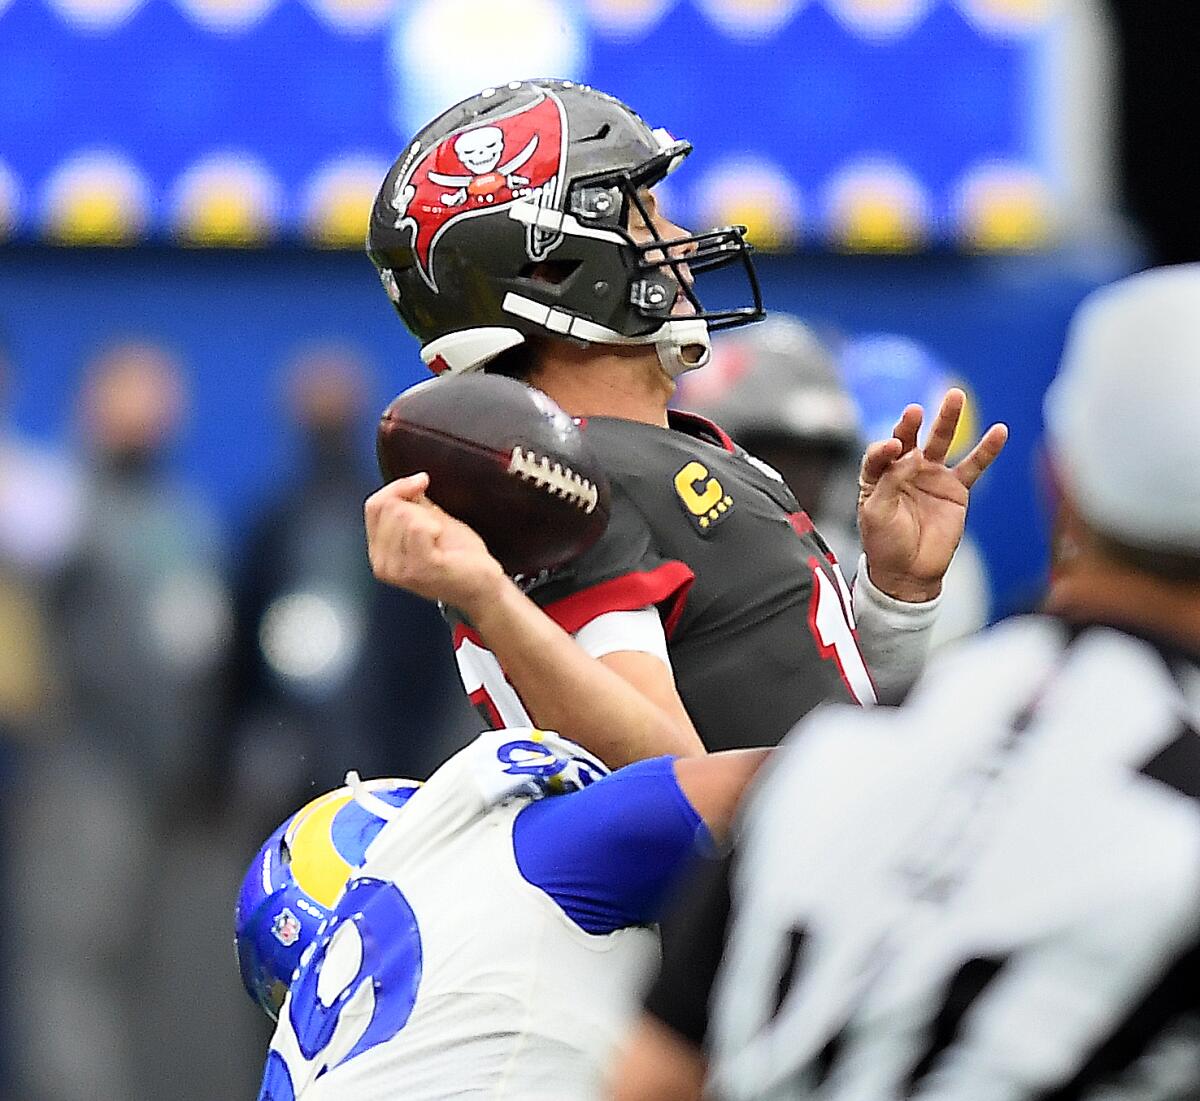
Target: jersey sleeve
{"x":610,"y":854}
{"x":894,"y":635}
{"x":693,"y":942}
{"x":623,"y":572}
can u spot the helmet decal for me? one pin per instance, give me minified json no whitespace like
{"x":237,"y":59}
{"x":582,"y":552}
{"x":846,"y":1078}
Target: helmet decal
{"x":320,"y":871}
{"x":514,"y":157}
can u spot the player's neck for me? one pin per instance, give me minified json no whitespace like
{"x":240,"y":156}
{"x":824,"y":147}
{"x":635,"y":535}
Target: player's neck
{"x":1096,"y":590}
{"x":625,"y":383}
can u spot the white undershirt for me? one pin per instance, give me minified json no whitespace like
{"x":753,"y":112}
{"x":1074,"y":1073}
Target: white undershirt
{"x":640,"y":631}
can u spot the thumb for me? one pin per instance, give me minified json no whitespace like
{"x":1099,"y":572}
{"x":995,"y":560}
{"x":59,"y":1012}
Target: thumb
{"x":410,"y":488}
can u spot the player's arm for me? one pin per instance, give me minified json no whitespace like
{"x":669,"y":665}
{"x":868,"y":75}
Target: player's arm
{"x":623,"y":707}
{"x":613,"y":854}
{"x":658,"y":1064}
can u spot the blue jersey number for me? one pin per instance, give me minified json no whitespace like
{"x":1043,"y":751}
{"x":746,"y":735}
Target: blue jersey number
{"x":368,"y":955}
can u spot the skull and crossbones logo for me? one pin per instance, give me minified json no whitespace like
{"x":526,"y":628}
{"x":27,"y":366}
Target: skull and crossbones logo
{"x":516,"y":157}
{"x":479,"y":151}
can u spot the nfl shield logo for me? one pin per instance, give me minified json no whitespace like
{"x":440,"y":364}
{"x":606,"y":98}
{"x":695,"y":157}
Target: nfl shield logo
{"x":286,"y":927}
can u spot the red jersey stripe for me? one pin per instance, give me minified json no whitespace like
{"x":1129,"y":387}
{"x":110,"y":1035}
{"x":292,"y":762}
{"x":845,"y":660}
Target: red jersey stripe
{"x":668,"y":582}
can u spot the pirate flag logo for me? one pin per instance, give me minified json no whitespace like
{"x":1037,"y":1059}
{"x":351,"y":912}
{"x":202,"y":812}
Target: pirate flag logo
{"x":512,"y":158}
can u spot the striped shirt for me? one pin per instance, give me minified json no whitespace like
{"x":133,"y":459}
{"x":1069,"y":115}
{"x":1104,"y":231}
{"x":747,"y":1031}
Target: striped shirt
{"x":991,"y":894}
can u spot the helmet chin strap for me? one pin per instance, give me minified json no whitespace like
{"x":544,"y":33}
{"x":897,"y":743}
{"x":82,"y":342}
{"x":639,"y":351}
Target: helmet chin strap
{"x":683,"y":345}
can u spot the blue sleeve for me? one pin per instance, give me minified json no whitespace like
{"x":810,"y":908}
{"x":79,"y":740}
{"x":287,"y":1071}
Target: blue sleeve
{"x":610,"y":854}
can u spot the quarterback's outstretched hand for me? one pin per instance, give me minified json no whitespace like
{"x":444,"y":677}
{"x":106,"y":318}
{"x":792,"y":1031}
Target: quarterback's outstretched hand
{"x":415,"y":545}
{"x":912,"y":507}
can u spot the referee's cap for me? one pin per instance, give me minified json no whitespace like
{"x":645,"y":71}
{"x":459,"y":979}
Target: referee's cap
{"x":1123,"y":415}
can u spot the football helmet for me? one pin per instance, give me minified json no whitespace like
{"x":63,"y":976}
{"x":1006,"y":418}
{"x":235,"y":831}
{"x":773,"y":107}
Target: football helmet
{"x":297,"y":876}
{"x":507,"y":217}
{"x":776,"y":381}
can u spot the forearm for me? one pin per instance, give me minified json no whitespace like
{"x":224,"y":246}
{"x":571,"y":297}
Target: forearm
{"x":893,"y":635}
{"x":566,"y":690}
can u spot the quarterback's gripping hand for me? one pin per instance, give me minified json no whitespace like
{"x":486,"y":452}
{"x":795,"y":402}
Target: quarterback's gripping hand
{"x":912,"y":507}
{"x":415,"y":545}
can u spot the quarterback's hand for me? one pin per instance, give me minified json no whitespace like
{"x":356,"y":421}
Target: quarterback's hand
{"x":415,"y":545}
{"x":912,"y":507}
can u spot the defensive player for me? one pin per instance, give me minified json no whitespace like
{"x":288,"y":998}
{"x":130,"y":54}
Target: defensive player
{"x":519,"y":233}
{"x":494,"y":932}
{"x":991,"y":893}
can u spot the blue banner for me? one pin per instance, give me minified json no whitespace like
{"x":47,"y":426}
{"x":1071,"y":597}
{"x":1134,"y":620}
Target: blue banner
{"x":859,"y":125}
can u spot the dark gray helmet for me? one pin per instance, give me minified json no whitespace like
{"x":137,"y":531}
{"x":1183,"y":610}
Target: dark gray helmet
{"x":537,"y":178}
{"x":777,"y":381}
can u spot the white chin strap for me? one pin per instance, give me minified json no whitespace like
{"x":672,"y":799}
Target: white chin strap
{"x":682,"y":343}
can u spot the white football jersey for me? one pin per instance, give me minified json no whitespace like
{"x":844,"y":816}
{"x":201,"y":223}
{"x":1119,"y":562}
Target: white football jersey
{"x":444,"y":973}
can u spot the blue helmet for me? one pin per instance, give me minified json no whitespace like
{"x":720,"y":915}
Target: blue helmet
{"x":884,"y":372}
{"x":297,"y":876}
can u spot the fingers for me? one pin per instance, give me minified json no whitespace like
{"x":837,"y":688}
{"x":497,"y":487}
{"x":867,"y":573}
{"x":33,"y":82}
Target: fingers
{"x":982,"y":455}
{"x":879,"y":456}
{"x":908,"y":426}
{"x":945,"y":424}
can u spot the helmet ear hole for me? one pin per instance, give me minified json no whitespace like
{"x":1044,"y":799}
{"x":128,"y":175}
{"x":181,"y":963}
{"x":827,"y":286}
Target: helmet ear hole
{"x":551,"y":272}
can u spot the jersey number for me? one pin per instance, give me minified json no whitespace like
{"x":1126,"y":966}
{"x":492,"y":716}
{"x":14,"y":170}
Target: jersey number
{"x":487,"y":687}
{"x":355,"y":991}
{"x":831,"y":620}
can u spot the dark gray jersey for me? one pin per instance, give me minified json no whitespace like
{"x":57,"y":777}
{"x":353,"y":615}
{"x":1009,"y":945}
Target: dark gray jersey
{"x":757,"y":614}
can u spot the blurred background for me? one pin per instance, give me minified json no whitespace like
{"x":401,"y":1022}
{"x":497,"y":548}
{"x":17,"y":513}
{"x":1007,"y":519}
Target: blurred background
{"x":193,"y":351}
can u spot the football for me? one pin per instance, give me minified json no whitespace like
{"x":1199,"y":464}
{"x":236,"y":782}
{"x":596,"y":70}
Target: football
{"x":503,"y":458}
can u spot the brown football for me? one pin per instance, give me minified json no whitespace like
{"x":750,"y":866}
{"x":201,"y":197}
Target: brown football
{"x":503,"y":458}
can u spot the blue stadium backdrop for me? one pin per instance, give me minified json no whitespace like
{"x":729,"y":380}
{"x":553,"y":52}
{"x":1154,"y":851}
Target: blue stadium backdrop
{"x":899,"y":156}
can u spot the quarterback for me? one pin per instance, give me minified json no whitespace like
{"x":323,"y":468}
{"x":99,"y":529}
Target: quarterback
{"x":519,"y":233}
{"x":484,"y":934}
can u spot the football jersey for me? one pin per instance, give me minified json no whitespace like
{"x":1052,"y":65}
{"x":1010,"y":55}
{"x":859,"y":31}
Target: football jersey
{"x":467,"y":957}
{"x":992,"y":894}
{"x":758,"y":617}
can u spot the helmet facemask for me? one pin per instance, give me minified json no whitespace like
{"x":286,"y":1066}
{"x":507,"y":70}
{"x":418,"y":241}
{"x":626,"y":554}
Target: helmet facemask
{"x":645,"y":279}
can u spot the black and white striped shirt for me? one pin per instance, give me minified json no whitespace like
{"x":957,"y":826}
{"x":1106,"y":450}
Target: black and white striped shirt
{"x":992,"y":894}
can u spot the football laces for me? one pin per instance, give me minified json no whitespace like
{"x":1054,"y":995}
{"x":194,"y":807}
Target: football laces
{"x":554,"y":478}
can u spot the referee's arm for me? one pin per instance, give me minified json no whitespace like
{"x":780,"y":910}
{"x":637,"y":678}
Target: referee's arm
{"x":664,"y":1058}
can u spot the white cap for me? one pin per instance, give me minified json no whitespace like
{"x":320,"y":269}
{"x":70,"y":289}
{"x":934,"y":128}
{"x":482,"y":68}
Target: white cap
{"x":1123,"y":415}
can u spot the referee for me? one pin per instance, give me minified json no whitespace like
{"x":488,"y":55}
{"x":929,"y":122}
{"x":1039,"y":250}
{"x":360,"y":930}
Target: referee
{"x":992,"y":893}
